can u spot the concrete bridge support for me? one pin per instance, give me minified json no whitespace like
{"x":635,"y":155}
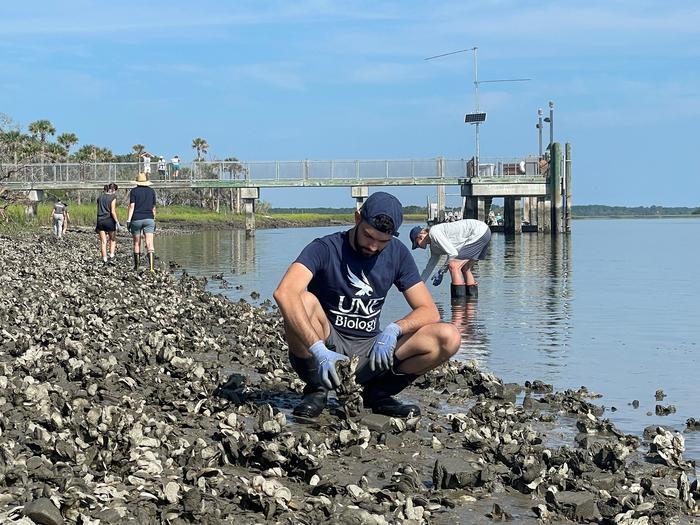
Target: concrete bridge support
{"x":360,"y":193}
{"x":34,"y":197}
{"x":249,"y":196}
{"x":544,"y":214}
{"x":512,"y":215}
{"x":530,"y":210}
{"x":476,"y":207}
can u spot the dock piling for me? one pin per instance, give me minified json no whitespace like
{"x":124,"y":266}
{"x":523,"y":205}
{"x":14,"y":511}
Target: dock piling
{"x":249,"y":196}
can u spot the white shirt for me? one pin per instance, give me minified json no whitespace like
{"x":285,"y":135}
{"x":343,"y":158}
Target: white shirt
{"x":448,"y":238}
{"x":146,"y":164}
{"x":161,"y":165}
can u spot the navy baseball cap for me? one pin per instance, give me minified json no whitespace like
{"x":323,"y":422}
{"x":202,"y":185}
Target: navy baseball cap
{"x":382,"y":203}
{"x":415,"y":232}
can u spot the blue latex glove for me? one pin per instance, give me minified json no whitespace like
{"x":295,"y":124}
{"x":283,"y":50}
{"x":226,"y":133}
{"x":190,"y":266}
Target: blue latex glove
{"x":437,"y":278}
{"x":382,"y":354}
{"x":325,"y":361}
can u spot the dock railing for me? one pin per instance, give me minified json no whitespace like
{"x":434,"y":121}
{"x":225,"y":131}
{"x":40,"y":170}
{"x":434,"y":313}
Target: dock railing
{"x":280,"y":171}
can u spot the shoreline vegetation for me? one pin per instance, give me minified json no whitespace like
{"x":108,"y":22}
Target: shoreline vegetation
{"x":192,"y":217}
{"x":186,"y":217}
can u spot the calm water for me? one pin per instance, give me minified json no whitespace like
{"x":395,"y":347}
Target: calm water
{"x":614,"y":307}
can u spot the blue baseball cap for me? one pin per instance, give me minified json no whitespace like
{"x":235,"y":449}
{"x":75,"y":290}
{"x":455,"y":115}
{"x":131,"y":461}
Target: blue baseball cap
{"x":415,"y":232}
{"x":382,"y":203}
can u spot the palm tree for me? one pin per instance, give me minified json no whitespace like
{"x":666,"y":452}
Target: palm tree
{"x":55,"y":152}
{"x":67,"y":140}
{"x":40,"y":129}
{"x":12,"y":144}
{"x":201,"y":146}
{"x":138,"y":149}
{"x":92,"y":153}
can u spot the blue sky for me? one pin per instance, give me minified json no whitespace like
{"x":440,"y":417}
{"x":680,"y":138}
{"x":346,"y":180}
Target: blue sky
{"x":347,"y":80}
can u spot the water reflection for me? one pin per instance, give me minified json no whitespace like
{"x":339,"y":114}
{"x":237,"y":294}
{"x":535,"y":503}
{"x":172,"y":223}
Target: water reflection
{"x":474,"y":333}
{"x":212,"y":252}
{"x":525,"y":297}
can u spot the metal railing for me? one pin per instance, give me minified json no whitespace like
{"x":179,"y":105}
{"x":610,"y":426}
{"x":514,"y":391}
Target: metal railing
{"x":279,"y":171}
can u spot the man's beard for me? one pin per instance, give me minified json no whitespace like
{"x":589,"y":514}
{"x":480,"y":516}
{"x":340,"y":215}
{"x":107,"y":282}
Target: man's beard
{"x":364,"y":252}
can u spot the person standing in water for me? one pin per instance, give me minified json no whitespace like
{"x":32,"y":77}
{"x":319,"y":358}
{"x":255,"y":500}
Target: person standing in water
{"x":141,"y":219}
{"x":464,"y":242}
{"x":107,"y":222}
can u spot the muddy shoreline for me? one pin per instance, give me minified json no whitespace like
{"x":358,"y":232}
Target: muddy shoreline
{"x":135,"y":396}
{"x":268,"y":222}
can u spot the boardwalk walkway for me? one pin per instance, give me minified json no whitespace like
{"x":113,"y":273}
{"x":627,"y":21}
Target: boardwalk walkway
{"x":275,"y":174}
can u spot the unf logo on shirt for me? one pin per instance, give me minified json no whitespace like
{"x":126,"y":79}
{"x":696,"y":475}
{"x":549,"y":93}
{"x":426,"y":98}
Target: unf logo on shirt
{"x":359,"y":312}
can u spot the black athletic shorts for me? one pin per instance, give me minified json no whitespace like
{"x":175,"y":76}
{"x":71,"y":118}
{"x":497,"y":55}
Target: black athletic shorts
{"x":106,"y":225}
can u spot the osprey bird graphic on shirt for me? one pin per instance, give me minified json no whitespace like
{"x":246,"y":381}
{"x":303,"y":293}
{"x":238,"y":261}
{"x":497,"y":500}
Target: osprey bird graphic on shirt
{"x":362,"y":285}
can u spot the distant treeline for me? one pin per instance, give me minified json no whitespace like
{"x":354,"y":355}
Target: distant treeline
{"x":339,"y":211}
{"x":599,"y":210}
{"x":587,"y":210}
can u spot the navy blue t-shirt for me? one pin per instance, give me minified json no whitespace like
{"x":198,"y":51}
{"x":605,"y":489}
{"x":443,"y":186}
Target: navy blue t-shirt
{"x":352,"y":288}
{"x":144,"y":199}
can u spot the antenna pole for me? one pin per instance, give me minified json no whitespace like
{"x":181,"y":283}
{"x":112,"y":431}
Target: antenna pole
{"x":476,"y":102}
{"x":475,"y":120}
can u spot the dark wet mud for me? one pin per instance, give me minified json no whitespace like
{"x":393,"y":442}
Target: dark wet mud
{"x":131,"y":397}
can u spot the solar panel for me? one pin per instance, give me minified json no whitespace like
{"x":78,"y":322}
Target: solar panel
{"x":472,"y":118}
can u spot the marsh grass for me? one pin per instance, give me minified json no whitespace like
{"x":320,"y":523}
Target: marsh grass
{"x":84,"y":215}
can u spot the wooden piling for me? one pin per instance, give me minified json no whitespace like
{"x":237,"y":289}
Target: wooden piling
{"x":567,"y":178}
{"x":555,"y":179}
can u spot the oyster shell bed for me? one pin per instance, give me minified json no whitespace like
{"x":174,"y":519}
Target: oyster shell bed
{"x":141,"y":398}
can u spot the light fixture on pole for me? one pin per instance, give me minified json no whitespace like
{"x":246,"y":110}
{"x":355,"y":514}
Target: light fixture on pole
{"x":550,"y":119}
{"x":539,"y":129}
{"x":478,"y":116}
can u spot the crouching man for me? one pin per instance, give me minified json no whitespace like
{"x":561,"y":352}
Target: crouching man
{"x":331,"y":299}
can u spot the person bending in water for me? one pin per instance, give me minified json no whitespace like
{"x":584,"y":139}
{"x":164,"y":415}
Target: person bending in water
{"x":331,"y":298}
{"x":464,"y":242}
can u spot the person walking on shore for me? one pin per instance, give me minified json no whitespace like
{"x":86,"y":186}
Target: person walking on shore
{"x":141,"y":219}
{"x":59,"y":217}
{"x":107,"y":222}
{"x":463,"y":242}
{"x":331,"y":299}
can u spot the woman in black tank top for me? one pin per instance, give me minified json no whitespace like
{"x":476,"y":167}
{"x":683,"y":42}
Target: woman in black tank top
{"x":107,"y":222}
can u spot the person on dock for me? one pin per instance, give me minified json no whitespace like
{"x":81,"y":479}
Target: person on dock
{"x":141,"y":219}
{"x":175,"y":161}
{"x":59,"y":216}
{"x":331,"y":298}
{"x":107,"y":222}
{"x":462,"y":242}
{"x":162,"y":165}
{"x":146,"y":163}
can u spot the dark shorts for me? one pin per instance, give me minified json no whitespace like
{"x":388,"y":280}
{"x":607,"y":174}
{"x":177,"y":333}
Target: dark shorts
{"x":350,"y":345}
{"x":106,"y":225}
{"x":477,"y":249}
{"x":346,"y":345}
